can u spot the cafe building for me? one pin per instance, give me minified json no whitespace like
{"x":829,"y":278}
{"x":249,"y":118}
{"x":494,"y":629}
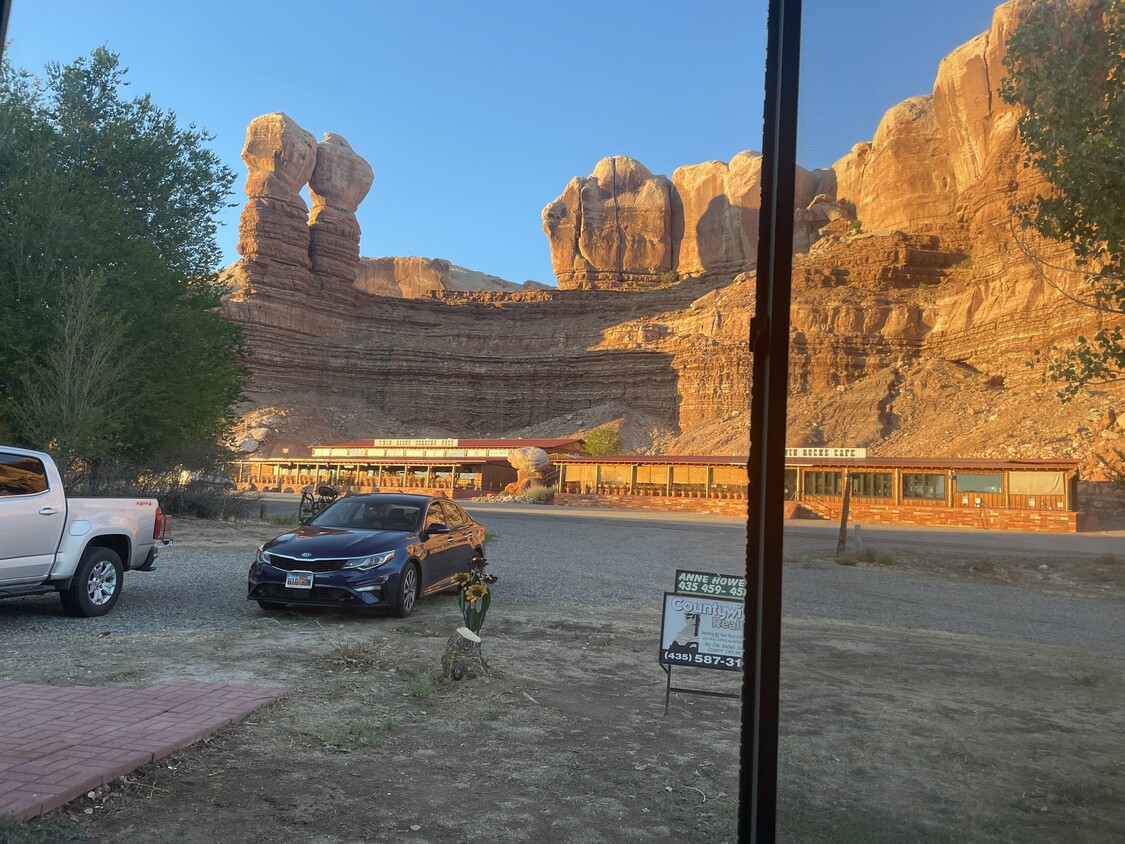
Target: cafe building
{"x":1029,"y":495}
{"x":458,"y":468}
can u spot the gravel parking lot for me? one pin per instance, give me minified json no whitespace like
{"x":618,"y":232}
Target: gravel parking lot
{"x":547,"y":555}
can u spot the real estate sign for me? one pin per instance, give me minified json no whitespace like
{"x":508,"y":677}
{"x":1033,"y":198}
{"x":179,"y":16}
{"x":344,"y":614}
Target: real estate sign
{"x":702,"y":631}
{"x":706,"y":583}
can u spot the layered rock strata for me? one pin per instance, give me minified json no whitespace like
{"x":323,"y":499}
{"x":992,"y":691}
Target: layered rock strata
{"x":475,"y":364}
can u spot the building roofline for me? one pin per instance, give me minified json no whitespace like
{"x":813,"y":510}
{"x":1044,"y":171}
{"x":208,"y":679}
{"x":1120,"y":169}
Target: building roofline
{"x":835,"y":462}
{"x":554,"y":442}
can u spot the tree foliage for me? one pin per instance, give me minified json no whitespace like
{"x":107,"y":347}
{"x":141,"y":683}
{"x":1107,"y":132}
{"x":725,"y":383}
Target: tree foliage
{"x":602,"y":441}
{"x":1066,"y":71}
{"x":113,"y":343}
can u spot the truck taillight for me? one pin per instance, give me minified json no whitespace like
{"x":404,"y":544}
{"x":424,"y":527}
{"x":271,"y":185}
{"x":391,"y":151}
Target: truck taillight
{"x":162,"y":528}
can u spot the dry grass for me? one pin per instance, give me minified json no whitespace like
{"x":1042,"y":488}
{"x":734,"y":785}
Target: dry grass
{"x":1100,"y":577}
{"x":355,"y":653}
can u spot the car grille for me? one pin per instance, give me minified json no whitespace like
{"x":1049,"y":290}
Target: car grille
{"x":269,"y":592}
{"x":294,"y":564}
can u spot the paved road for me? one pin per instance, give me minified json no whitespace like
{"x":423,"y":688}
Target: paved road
{"x":558,"y":555}
{"x":569,"y":554}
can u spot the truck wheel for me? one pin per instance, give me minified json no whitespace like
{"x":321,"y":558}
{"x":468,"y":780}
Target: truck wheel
{"x":96,"y":584}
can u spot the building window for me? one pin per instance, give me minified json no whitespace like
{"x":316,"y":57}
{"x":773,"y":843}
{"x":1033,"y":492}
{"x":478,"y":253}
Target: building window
{"x":824,"y":483}
{"x":929,"y":487}
{"x":582,"y":473}
{"x":732,"y":475}
{"x":616,"y":475}
{"x":979,"y":483}
{"x":872,"y":484}
{"x":1037,"y":483}
{"x":689,"y":475}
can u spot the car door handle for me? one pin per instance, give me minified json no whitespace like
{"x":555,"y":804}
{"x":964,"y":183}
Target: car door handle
{"x":48,"y":511}
{"x":451,"y":539}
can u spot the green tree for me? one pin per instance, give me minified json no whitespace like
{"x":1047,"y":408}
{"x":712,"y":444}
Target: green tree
{"x":1066,"y":71}
{"x":113,"y":343}
{"x":602,"y":441}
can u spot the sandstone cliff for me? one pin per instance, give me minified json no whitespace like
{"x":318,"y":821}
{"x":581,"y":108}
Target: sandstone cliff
{"x":413,"y":278}
{"x":622,"y":227}
{"x":612,"y":228}
{"x":915,"y":312}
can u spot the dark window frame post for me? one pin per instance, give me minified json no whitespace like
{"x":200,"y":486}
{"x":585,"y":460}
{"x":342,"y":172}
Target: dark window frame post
{"x":769,"y":345}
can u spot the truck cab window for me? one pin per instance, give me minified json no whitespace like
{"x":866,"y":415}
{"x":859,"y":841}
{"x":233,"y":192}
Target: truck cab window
{"x":20,"y":475}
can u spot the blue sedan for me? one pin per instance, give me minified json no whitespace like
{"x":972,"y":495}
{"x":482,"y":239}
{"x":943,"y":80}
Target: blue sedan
{"x":380,"y":550}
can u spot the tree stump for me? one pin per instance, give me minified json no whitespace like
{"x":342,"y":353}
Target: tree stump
{"x":462,"y":659}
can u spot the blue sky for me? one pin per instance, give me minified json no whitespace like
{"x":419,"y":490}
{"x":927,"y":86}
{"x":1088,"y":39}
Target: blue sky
{"x":474,"y":116}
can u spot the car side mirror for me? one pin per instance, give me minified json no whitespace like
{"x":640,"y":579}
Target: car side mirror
{"x":436,"y":528}
{"x":305,"y":521}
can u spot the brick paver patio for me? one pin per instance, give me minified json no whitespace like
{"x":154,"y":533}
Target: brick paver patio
{"x":57,"y":742}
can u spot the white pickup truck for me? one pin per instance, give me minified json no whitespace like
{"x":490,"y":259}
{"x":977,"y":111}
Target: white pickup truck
{"x":78,"y":547}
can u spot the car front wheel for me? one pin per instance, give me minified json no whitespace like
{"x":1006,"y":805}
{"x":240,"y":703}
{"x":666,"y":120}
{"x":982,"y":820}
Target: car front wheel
{"x":408,"y":588}
{"x":96,"y":584}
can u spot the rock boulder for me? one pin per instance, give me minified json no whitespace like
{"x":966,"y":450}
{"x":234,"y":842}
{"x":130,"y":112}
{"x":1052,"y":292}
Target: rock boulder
{"x":531,"y":465}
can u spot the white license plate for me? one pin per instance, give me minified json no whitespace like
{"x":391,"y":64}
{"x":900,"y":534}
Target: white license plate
{"x":299,"y":580}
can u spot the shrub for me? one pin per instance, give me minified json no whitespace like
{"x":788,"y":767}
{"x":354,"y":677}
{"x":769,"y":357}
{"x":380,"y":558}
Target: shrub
{"x":537,"y":494}
{"x":360,"y":732}
{"x":188,"y":482}
{"x":205,"y":501}
{"x":866,"y":554}
{"x":421,"y":685}
{"x":602,"y":441}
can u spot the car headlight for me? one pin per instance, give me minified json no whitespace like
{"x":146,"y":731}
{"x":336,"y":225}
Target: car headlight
{"x":367,"y":563}
{"x":262,"y":558}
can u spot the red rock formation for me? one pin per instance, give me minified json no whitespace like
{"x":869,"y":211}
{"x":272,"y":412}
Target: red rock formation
{"x":282,"y":247}
{"x":532,"y":466}
{"x":612,"y":228}
{"x":413,"y":278}
{"x":404,"y":278}
{"x":274,"y":229}
{"x":910,"y":337}
{"x":339,"y":182}
{"x":623,"y":227}
{"x":715,"y":215}
{"x":906,"y":178}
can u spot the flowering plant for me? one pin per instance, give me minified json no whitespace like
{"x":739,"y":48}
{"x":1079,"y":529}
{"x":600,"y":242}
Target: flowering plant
{"x":474,"y":596}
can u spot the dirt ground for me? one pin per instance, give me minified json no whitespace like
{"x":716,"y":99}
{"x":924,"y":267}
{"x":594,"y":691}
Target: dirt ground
{"x":888,"y":735}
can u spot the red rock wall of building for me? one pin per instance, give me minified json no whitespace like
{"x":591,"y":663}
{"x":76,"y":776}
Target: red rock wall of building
{"x":1047,"y":521}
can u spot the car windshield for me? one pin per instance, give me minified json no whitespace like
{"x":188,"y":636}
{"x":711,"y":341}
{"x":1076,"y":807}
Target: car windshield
{"x":358,"y":514}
